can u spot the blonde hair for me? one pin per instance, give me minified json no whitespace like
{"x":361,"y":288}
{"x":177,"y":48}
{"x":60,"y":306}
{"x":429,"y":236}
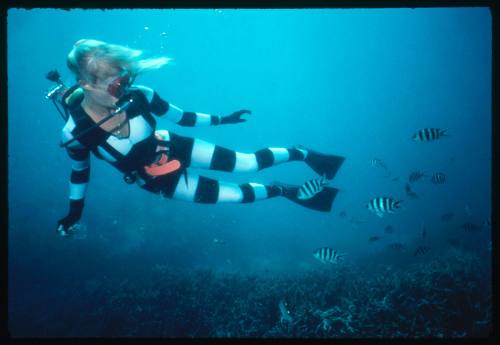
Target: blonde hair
{"x":89,"y":57}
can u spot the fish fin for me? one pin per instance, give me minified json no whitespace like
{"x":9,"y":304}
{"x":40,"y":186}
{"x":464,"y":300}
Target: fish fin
{"x":444,"y":132}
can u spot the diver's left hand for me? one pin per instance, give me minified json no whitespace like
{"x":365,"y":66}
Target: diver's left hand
{"x":235,"y":117}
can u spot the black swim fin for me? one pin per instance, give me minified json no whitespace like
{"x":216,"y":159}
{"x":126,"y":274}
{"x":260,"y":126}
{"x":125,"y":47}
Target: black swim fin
{"x":320,"y":202}
{"x":323,"y":164}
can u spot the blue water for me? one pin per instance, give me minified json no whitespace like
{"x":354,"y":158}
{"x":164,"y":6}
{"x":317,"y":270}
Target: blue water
{"x":351,"y":82}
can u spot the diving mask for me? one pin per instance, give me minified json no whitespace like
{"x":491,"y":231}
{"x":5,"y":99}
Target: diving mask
{"x":118,"y":87}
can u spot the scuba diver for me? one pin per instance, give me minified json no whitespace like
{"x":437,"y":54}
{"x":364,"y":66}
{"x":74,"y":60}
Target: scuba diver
{"x":108,"y":115}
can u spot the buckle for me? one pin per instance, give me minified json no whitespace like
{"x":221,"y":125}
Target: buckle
{"x":130,"y":177}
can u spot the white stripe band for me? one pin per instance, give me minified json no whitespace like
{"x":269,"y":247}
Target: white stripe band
{"x":148,"y":92}
{"x":245,"y":162}
{"x":281,"y":155}
{"x":202,"y":153}
{"x":105,"y":154}
{"x":139,"y":129}
{"x":66,"y":134}
{"x":174,"y":113}
{"x":123,"y":145}
{"x":186,"y":192}
{"x":80,"y":165}
{"x":163,"y":133}
{"x":229,"y":192}
{"x":77,"y":190}
{"x":259,"y":190}
{"x":202,"y":119}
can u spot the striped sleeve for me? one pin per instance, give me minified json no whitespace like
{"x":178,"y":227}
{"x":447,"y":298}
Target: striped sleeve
{"x":80,"y":167}
{"x":175,"y":114}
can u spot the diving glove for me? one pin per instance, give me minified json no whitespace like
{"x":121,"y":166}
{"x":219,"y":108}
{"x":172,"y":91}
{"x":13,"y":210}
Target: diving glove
{"x":235,"y":117}
{"x":68,"y":225}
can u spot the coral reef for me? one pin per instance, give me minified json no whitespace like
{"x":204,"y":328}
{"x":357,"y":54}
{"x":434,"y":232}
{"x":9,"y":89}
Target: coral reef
{"x":448,"y":296}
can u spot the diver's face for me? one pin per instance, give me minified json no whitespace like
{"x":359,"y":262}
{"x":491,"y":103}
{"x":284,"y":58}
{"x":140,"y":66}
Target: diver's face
{"x":108,"y":87}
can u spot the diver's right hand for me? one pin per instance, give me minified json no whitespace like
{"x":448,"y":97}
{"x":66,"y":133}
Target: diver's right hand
{"x":67,"y":226}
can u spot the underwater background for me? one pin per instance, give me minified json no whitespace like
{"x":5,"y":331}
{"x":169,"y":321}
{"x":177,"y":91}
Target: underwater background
{"x":352,"y":82}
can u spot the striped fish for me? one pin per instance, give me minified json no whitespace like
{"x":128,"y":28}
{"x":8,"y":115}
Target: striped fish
{"x":471,"y":227}
{"x":421,"y":250}
{"x":415,"y":176}
{"x":438,"y":178}
{"x":378,"y":163}
{"x":311,"y":187}
{"x":429,"y":134}
{"x":396,"y":246}
{"x":374,"y":238}
{"x":218,"y":241}
{"x":328,"y":255}
{"x":382,"y":205}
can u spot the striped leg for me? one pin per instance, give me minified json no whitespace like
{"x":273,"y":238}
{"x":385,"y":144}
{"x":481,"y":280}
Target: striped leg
{"x":201,"y":189}
{"x":197,"y":153}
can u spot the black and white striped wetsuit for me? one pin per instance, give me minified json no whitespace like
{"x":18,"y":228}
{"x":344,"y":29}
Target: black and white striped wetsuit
{"x":139,"y":149}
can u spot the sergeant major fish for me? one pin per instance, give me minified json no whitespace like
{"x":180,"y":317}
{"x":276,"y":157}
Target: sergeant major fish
{"x":383,"y":205}
{"x":471,"y":227}
{"x":378,"y":163}
{"x":415,"y":176}
{"x":328,"y":255}
{"x":421,"y":250}
{"x":311,"y":187}
{"x":396,"y":246}
{"x":374,"y":238}
{"x":438,"y":178}
{"x":429,"y":134}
